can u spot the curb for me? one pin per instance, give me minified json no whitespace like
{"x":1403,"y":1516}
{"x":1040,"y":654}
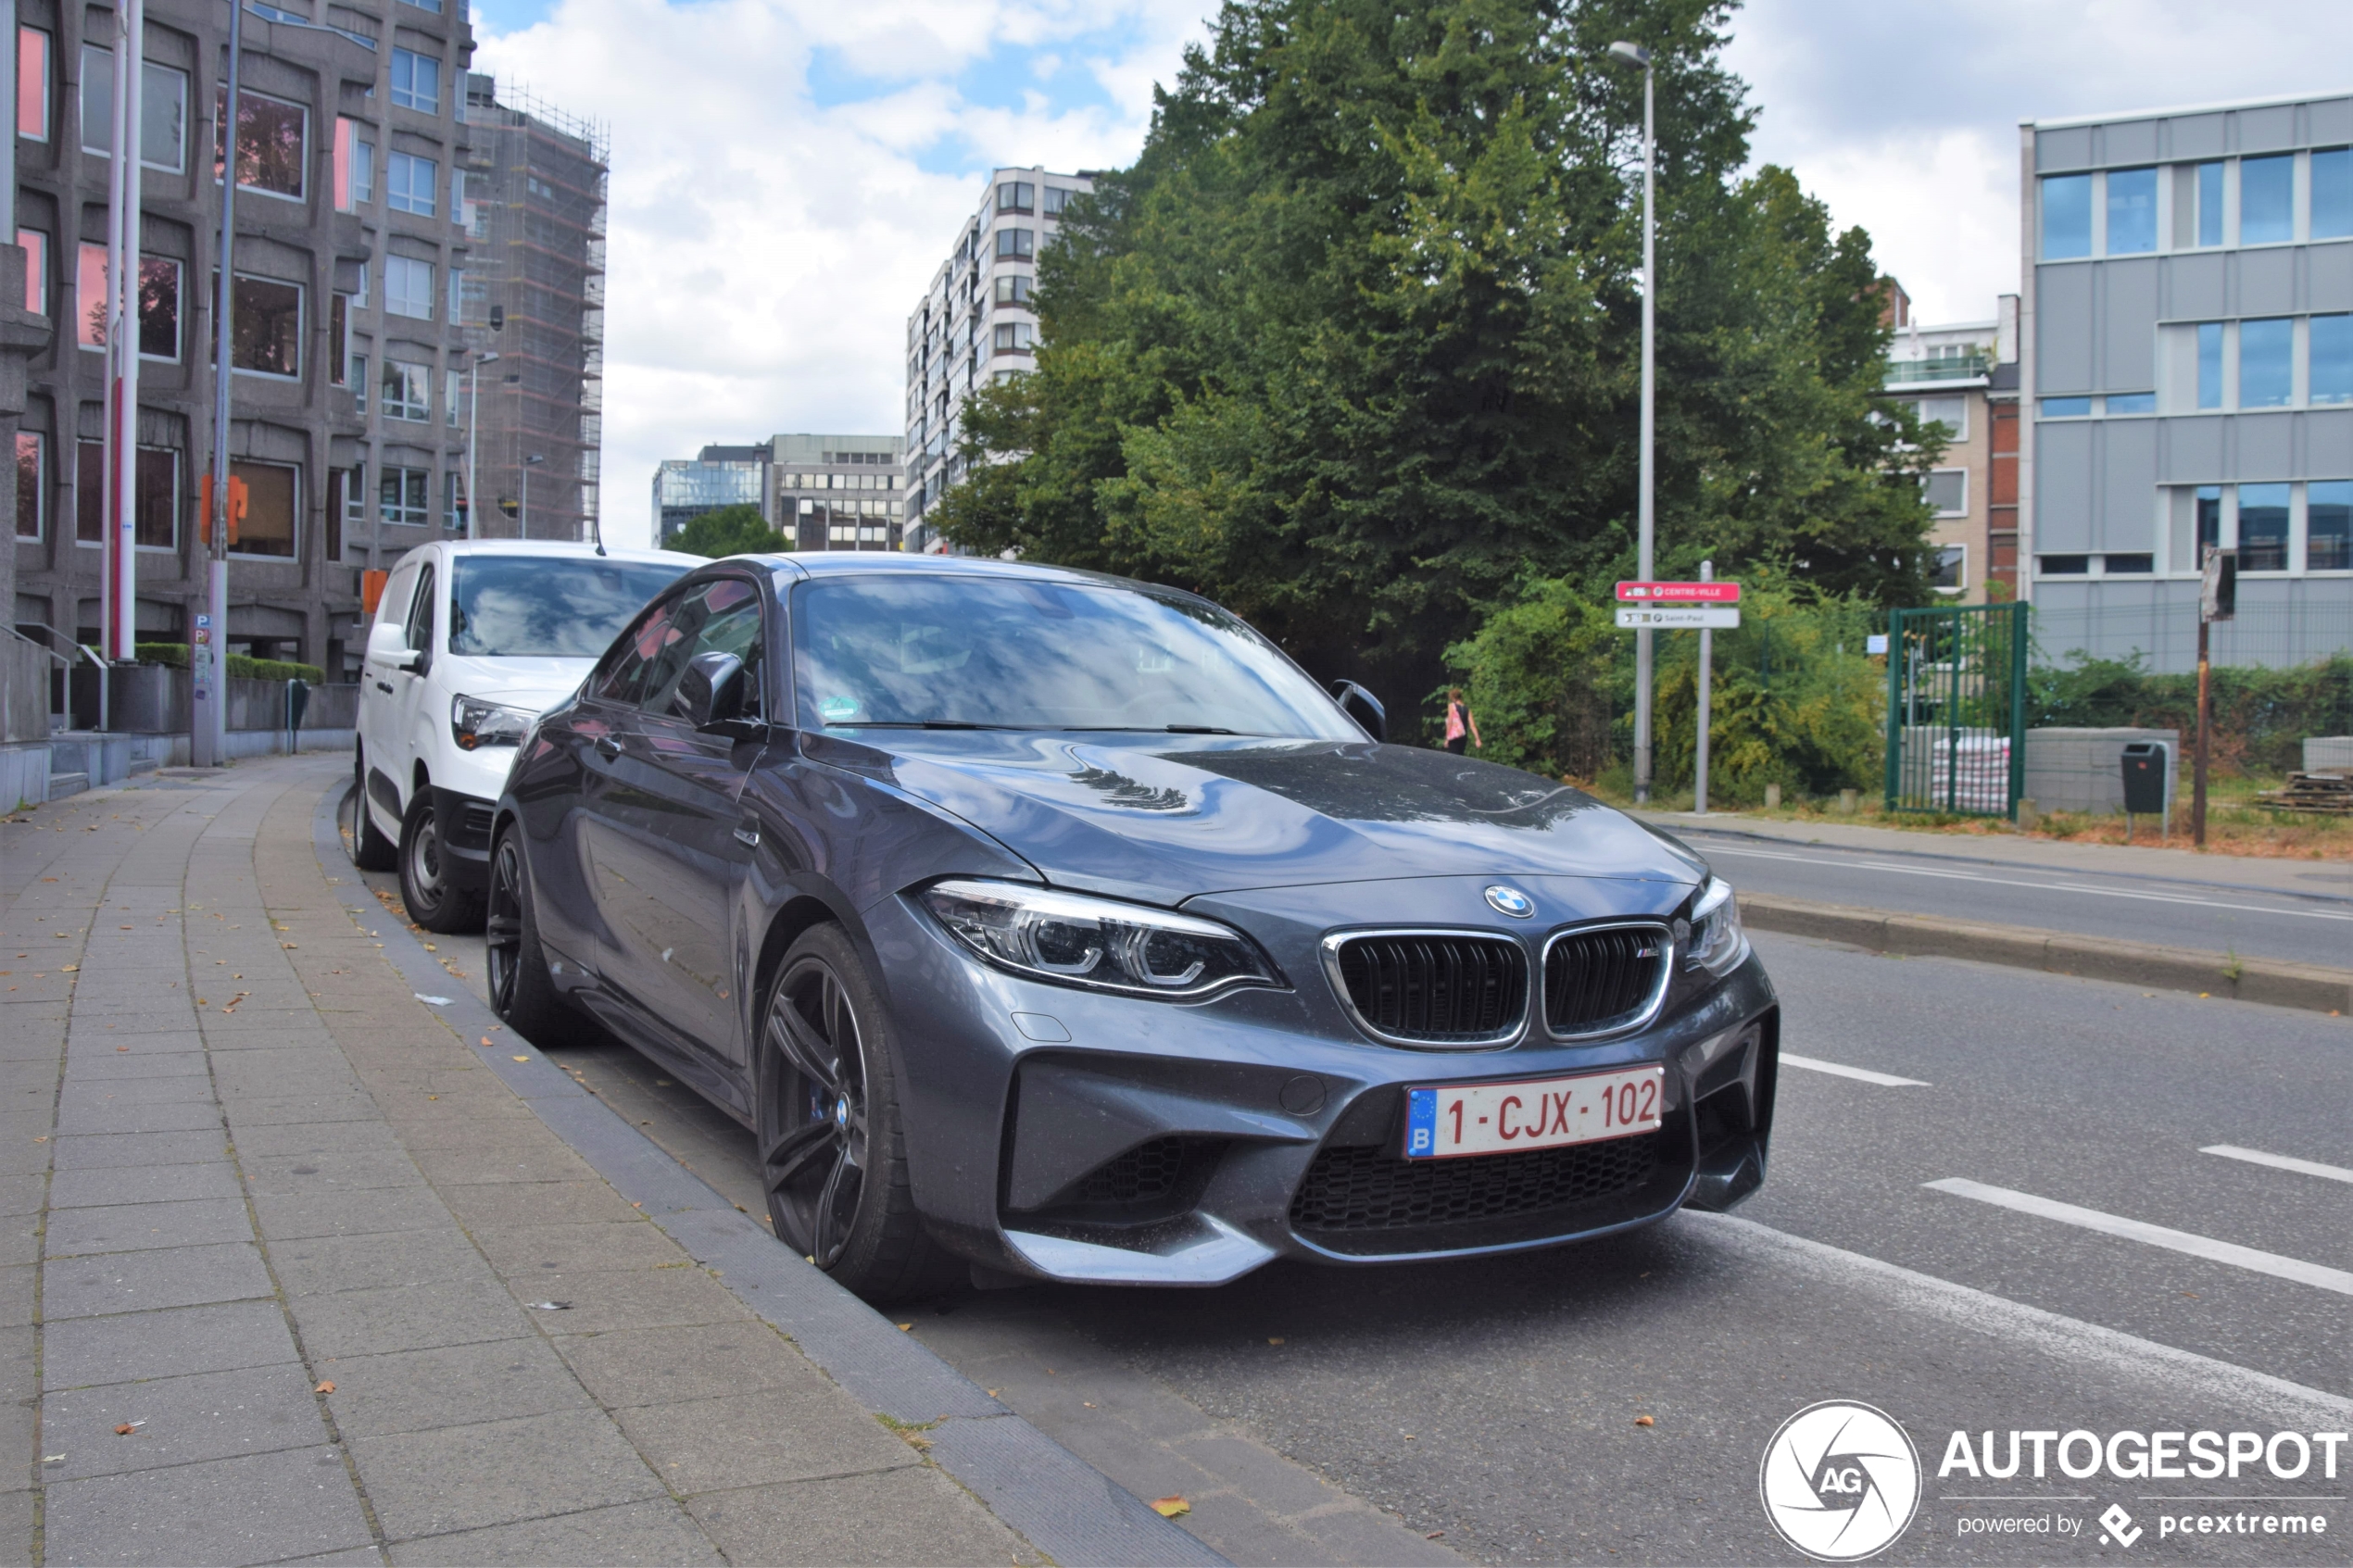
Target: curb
{"x":2312,"y":987}
{"x":1066,"y":1508}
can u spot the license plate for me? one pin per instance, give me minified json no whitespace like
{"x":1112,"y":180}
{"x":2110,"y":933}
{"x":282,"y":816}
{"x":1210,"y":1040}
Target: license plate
{"x":1447,"y":1120}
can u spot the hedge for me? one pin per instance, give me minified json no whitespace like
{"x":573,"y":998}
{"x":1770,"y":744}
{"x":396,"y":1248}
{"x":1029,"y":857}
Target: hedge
{"x":241,"y":665}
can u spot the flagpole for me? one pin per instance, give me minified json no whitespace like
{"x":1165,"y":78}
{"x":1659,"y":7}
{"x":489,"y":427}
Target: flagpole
{"x":209,"y":648}
{"x":123,"y":339}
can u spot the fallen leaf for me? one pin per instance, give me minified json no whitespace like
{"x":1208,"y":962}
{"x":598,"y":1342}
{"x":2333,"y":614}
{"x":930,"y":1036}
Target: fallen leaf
{"x":549,"y":1306}
{"x":1169,"y":1508}
{"x":53,"y":1459}
{"x":1274,"y":1340}
{"x":70,"y":969}
{"x":1434,"y":1535}
{"x":1644,"y":1421}
{"x":522,"y":1058}
{"x":325,"y":1388}
{"x":128,"y":1427}
{"x":122,"y":1047}
{"x":905,"y":1326}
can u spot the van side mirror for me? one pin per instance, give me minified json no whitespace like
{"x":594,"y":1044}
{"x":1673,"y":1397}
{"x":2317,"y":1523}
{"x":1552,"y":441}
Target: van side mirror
{"x":711,"y":692}
{"x":1363,"y":707}
{"x":389,"y":644}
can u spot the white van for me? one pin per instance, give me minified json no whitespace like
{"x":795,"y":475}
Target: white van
{"x":473,"y":640}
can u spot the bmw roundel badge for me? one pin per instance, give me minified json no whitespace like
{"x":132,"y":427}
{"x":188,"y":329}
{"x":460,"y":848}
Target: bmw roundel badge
{"x":1511,"y":902}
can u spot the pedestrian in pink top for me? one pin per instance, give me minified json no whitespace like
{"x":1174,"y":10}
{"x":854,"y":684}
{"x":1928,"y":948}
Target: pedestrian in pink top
{"x":1461,"y":728}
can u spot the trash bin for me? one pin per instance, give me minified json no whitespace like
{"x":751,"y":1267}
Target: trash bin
{"x":2146,"y":774}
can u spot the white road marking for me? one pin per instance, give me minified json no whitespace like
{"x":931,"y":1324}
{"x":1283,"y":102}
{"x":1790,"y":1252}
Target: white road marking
{"x":1885,"y":1080}
{"x":2021,"y":882}
{"x":2183,"y":1376}
{"x":2277,"y":1162}
{"x":2204,"y":1247}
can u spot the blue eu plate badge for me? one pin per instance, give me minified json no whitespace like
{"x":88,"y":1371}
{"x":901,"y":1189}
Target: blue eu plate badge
{"x":1421,"y":1122}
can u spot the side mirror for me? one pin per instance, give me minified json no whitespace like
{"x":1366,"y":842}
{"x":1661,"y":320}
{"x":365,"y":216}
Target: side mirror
{"x":1363,"y":707}
{"x":712,"y":690}
{"x":389,"y":644}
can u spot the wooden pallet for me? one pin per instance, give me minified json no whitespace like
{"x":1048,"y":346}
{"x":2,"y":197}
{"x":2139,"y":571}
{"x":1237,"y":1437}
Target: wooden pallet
{"x":2329,"y":792}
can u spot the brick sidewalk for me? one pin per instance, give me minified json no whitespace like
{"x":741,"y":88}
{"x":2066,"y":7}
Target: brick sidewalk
{"x":266,"y":1208}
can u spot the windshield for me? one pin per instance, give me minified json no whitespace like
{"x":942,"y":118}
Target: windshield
{"x":565,"y":606}
{"x":957,"y":652}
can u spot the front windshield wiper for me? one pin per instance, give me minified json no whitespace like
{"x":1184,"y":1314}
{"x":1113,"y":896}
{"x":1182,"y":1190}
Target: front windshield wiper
{"x":921,"y":724}
{"x":1157,"y":729}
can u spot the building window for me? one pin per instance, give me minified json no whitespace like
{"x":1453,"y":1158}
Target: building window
{"x":2263,"y":527}
{"x":2066,"y":217}
{"x":2132,"y":211}
{"x":457,"y":296}
{"x":452,"y":383}
{"x":155,"y":501}
{"x":416,"y":82}
{"x":358,"y":374}
{"x":407,"y":391}
{"x":163,"y":109}
{"x":2131,"y":402}
{"x":339,"y":340}
{"x":2209,"y":365}
{"x":32,"y":83}
{"x":2063,"y":566}
{"x":402,"y":494}
{"x":272,"y":143}
{"x":2067,"y":408}
{"x":2210,"y":524}
{"x":408,"y":287}
{"x":1949,"y":569}
{"x":1013,"y":289}
{"x":159,"y":303}
{"x":2210,"y":204}
{"x":2267,"y":201}
{"x":1016,"y":196}
{"x":1947,"y":491}
{"x":31,"y":514}
{"x":354,"y":496}
{"x":2332,"y":369}
{"x":268,"y":327}
{"x":1016,"y":243}
{"x":2266,"y":363}
{"x":1012,"y":337}
{"x":271,"y":510}
{"x":90,"y":491}
{"x":36,"y":270}
{"x":2328,"y":522}
{"x":412,"y":183}
{"x":1057,"y":198}
{"x":354,"y":166}
{"x":2333,"y":194}
{"x":453,"y":501}
{"x":2128,"y":566}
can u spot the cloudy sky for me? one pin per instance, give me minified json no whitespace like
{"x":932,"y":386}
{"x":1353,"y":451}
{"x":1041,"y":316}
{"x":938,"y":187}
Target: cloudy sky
{"x":787,"y":173}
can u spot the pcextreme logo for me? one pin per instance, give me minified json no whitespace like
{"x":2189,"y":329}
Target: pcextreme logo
{"x":1840,"y":1481}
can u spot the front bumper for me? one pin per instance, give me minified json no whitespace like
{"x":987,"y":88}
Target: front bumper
{"x":463,"y":822}
{"x":1064,"y":1135}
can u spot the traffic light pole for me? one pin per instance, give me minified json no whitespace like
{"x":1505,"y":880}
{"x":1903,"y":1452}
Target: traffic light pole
{"x":208,"y":658}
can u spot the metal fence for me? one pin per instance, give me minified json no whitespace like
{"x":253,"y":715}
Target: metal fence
{"x":1957,"y":709}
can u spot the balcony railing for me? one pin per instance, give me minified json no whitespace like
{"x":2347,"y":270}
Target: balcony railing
{"x":1905,"y":372}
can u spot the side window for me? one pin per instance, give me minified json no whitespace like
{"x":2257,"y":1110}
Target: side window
{"x":623,"y":676}
{"x":395,"y":603}
{"x":419,"y":628}
{"x":721,"y":616}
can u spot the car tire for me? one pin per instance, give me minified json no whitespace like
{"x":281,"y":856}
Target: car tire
{"x":521,"y":990}
{"x":433,"y":900}
{"x":370,"y":850}
{"x":831,"y":1147}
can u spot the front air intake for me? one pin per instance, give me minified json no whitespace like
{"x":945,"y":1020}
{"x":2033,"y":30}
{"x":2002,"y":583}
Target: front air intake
{"x":1432,"y":988}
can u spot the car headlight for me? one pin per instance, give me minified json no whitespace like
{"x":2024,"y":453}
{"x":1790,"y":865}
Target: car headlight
{"x":1098,"y":943}
{"x":1715,"y":943}
{"x":475,"y":723}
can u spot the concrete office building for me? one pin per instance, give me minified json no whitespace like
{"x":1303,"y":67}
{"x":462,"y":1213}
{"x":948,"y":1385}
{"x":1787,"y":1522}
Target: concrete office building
{"x":536,"y":296}
{"x":2187,"y":332}
{"x":976,"y":321}
{"x":821,"y":492}
{"x":348,"y":258}
{"x":1953,"y":374}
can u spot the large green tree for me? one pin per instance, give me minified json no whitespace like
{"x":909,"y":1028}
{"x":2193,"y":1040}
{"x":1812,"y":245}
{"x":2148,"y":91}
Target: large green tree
{"x":738,"y":530}
{"x":1354,"y":345}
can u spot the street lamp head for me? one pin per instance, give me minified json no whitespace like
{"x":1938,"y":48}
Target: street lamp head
{"x":484,"y":358}
{"x":1634,"y":55}
{"x":540,"y":457}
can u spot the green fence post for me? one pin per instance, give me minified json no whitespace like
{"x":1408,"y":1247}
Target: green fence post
{"x":1894,"y":703}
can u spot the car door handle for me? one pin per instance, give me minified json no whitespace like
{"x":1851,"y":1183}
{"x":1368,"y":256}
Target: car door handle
{"x":608,"y":748}
{"x":748,"y":837}
{"x":384,"y":686}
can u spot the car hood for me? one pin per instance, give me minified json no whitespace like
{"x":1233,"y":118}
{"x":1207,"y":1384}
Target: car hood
{"x":532,"y":683}
{"x":1167,"y":817}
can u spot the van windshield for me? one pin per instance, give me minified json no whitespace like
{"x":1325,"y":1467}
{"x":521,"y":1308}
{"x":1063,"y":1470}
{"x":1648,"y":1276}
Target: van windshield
{"x":515,"y":607}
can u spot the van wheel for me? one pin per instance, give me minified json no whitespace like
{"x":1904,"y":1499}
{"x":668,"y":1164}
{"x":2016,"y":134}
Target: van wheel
{"x":522,"y":991}
{"x":434,"y":901}
{"x":370,"y":850}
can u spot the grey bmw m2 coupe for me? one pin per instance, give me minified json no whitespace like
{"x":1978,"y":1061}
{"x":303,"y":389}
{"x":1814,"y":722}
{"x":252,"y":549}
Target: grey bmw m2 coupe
{"x":1060,"y":925}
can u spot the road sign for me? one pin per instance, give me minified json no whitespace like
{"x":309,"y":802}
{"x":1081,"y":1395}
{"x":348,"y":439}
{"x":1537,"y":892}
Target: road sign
{"x":1675,"y":618}
{"x":1680,"y":593}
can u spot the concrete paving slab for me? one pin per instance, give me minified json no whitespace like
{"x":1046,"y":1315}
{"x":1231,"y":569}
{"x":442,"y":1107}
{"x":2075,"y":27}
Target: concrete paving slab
{"x":321,"y":1263}
{"x":485,"y":1205}
{"x":522,"y":1249}
{"x":335,"y":1171}
{"x":430,"y":1483}
{"x":17,"y":1283}
{"x":754,"y":1439}
{"x":258,"y":1507}
{"x":302,"y":1109}
{"x":135,"y":1116}
{"x":708,"y":1361}
{"x":182,"y":1420}
{"x":85,"y":1352}
{"x":120,"y":1150}
{"x":542,"y":1159}
{"x":84,"y":1095}
{"x":167,"y":1277}
{"x":286,"y":1217}
{"x":655,"y":1533}
{"x":265,"y":1139}
{"x":668,"y":1296}
{"x":409,"y":1317}
{"x":824,"y":1522}
{"x":21,"y":1193}
{"x":452,"y":1385}
{"x":113,"y":1059}
{"x":131,"y":1226}
{"x":156,"y":1184}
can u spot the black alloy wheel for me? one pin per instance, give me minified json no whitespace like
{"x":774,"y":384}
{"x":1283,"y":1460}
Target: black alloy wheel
{"x":832,"y":1155}
{"x":370,"y":850}
{"x":433,"y":900}
{"x":522,"y":991}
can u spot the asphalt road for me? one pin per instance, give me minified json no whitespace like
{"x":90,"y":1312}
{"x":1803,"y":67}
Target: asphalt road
{"x":1489,"y":1410}
{"x":2209,"y":916}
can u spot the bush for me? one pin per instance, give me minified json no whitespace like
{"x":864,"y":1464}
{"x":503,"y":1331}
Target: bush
{"x":2260,"y":715}
{"x":241,"y":665}
{"x":1543,"y":677}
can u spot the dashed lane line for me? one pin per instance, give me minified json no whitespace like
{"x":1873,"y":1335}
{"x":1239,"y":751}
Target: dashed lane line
{"x":1863,"y":1074}
{"x":2276,"y":1162}
{"x":2230,"y":1252}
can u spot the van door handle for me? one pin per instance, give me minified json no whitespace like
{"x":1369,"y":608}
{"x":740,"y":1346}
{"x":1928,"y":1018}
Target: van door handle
{"x":384,"y":686}
{"x":608,"y":748}
{"x":748,"y":836}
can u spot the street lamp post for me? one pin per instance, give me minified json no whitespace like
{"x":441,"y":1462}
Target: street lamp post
{"x":474,"y":420}
{"x":208,"y":648}
{"x":1635,"y":55}
{"x":522,"y":520}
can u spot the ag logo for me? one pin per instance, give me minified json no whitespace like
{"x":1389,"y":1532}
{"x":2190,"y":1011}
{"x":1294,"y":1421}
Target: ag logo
{"x":1840,"y":1481}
